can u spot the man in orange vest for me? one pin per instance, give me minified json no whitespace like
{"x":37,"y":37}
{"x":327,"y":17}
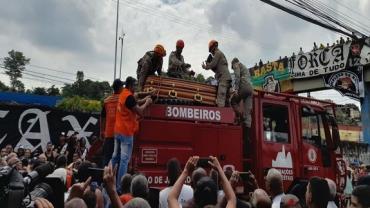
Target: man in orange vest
{"x":126,"y":125}
{"x":108,"y":120}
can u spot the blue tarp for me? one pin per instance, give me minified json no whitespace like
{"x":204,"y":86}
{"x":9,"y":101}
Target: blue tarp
{"x":21,"y":98}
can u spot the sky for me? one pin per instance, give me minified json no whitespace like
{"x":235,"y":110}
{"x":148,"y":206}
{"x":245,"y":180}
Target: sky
{"x":62,"y":37}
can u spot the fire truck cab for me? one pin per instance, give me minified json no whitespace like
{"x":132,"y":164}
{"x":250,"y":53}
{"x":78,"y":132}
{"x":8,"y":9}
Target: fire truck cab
{"x":296,"y":135}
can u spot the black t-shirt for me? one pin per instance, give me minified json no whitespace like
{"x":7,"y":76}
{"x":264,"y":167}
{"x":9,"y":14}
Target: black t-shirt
{"x":130,"y":102}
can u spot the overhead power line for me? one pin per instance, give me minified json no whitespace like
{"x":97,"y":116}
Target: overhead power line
{"x":346,"y":17}
{"x":60,"y":71}
{"x":342,"y":19}
{"x":321,"y":14}
{"x":39,"y":76}
{"x":353,"y":11}
{"x":306,"y":17}
{"x":50,"y":69}
{"x":46,"y":78}
{"x":37,"y":80}
{"x":58,"y":77}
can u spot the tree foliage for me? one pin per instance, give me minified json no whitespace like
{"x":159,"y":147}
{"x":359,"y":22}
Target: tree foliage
{"x":88,"y":89}
{"x":53,"y":91}
{"x":39,"y":91}
{"x":200,"y":78}
{"x":3,"y":87}
{"x":77,"y":103}
{"x":17,"y":86}
{"x":14,"y":65}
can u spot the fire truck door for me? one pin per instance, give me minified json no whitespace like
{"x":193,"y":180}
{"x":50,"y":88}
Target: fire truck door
{"x":316,"y":158}
{"x":277,"y":149}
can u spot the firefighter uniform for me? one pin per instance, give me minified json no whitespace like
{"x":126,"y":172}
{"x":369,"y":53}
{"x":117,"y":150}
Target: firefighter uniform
{"x":244,"y":88}
{"x":150,"y":63}
{"x":177,"y":67}
{"x":222,"y":75}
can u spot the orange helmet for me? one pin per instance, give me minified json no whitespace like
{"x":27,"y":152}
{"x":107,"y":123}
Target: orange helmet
{"x":212,"y":43}
{"x":180,"y":44}
{"x":160,"y":50}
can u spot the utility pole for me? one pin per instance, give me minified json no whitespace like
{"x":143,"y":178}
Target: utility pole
{"x":115,"y":48}
{"x":120,"y":63}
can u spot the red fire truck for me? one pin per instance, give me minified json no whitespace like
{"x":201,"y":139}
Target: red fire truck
{"x":296,"y":135}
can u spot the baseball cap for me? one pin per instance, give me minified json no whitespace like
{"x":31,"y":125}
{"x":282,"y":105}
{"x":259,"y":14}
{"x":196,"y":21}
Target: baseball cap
{"x":117,"y":84}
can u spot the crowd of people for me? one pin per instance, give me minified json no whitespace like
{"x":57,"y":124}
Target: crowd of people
{"x":69,"y":153}
{"x":315,"y":47}
{"x":211,"y":186}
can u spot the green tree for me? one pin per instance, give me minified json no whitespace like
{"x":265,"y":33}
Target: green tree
{"x":3,"y":87}
{"x":18,"y":86}
{"x":53,"y":91}
{"x":14,"y":65}
{"x":80,"y":76}
{"x":200,"y":78}
{"x":77,"y":103}
{"x":39,"y":91}
{"x":88,"y":89}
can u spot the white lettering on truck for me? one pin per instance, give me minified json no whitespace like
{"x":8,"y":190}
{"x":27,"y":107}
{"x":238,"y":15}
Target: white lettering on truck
{"x":193,"y":113}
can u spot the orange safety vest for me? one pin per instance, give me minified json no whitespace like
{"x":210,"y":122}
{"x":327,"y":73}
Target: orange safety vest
{"x":126,"y":119}
{"x":110,"y":104}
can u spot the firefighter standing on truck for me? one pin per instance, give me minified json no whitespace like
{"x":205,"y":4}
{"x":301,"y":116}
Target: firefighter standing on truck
{"x":218,"y":64}
{"x":108,"y":119}
{"x":150,"y":63}
{"x":125,"y":127}
{"x":177,"y":67}
{"x":243,"y":92}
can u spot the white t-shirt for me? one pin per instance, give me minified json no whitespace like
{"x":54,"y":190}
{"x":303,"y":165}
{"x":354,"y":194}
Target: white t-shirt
{"x":332,"y":204}
{"x":60,"y":173}
{"x":276,"y":201}
{"x":185,"y":195}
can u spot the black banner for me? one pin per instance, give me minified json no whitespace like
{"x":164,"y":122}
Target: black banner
{"x":348,"y":82}
{"x":34,"y":126}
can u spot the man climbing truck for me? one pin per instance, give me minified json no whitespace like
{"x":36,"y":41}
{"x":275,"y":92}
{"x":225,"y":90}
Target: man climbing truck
{"x":295,"y":135}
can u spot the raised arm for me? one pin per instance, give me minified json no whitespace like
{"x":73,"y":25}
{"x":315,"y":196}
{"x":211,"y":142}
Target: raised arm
{"x":110,"y":185}
{"x":176,"y":189}
{"x":226,"y":186}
